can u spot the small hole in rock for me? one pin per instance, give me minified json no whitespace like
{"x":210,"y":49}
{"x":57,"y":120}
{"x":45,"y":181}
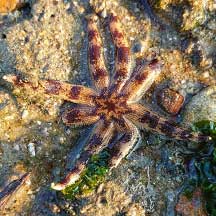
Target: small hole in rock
{"x":26,"y":39}
{"x":3,"y":36}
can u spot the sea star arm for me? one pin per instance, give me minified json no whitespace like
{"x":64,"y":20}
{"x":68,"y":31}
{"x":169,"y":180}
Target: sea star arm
{"x":123,"y":59}
{"x":97,"y":66}
{"x":73,"y":93}
{"x":145,"y":118}
{"x":99,"y":139}
{"x":123,"y":145}
{"x":79,"y":116}
{"x":141,"y":80}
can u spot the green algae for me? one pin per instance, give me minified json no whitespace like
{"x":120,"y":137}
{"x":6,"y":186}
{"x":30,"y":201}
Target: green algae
{"x":93,"y":175}
{"x":205,"y":176}
{"x":206,"y":127}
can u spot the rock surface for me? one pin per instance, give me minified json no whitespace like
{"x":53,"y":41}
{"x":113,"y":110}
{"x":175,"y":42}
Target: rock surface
{"x":202,"y":106}
{"x":47,"y":39}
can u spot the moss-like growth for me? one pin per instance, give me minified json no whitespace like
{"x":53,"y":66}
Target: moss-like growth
{"x":93,"y":176}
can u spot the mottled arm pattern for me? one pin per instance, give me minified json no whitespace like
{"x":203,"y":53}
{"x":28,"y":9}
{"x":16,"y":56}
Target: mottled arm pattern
{"x":79,"y":116}
{"x":123,"y":145}
{"x":73,"y":93}
{"x":97,"y":66}
{"x":141,"y":80}
{"x":145,"y":118}
{"x":98,"y":140}
{"x":123,"y":55}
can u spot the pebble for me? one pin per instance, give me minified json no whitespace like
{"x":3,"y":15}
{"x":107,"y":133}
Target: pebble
{"x":170,"y":100}
{"x":39,"y":122}
{"x":54,"y":208}
{"x":61,"y":140}
{"x":16,"y":147}
{"x":31,"y":149}
{"x":25,"y":114}
{"x":104,"y":13}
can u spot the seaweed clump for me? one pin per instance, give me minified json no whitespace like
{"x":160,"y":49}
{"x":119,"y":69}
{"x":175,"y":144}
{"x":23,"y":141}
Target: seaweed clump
{"x":91,"y":178}
{"x":202,"y":169}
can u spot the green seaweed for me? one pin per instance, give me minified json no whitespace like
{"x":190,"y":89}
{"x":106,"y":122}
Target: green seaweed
{"x":93,"y":175}
{"x":206,"y":127}
{"x":206,"y":170}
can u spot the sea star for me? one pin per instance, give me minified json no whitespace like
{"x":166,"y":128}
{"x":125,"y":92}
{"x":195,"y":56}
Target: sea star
{"x":112,"y":105}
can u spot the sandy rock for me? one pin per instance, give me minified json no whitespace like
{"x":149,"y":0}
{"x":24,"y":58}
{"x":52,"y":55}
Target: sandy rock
{"x":202,"y":106}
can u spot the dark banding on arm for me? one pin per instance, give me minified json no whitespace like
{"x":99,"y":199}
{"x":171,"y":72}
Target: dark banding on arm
{"x":97,"y":66}
{"x":167,"y":128}
{"x":123,"y":55}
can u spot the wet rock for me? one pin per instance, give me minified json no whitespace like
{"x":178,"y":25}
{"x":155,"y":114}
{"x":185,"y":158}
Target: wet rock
{"x":170,"y":100}
{"x":202,"y":106}
{"x":191,"y":206}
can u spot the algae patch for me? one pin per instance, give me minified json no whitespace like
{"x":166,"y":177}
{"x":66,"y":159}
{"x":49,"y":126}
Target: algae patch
{"x":206,"y":127}
{"x":94,"y":175}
